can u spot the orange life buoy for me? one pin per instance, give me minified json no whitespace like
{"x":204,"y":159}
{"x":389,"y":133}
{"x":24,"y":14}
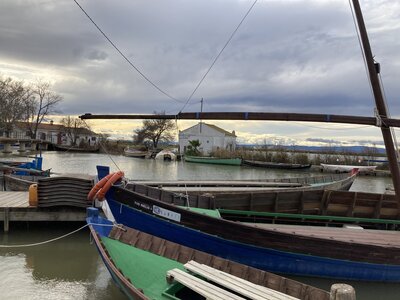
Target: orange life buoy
{"x":104,"y":189}
{"x":98,"y":186}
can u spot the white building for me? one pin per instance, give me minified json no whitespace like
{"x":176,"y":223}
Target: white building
{"x":55,"y":133}
{"x":211,"y":138}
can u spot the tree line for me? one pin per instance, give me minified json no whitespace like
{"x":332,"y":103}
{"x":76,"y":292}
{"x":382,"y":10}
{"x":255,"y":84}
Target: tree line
{"x":28,"y":103}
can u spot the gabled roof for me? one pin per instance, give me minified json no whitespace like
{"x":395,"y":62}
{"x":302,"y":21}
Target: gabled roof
{"x":56,"y":127}
{"x":219,"y":129}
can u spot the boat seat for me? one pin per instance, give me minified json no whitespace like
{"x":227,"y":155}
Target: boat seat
{"x":207,"y":290}
{"x":238,"y":285}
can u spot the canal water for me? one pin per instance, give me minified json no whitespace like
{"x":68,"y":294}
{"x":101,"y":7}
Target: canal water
{"x":70,"y":268}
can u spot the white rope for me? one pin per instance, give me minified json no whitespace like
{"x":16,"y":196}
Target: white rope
{"x":60,"y":237}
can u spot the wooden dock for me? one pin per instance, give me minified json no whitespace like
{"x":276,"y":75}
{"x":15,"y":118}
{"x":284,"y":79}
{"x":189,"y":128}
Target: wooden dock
{"x":14,"y":207}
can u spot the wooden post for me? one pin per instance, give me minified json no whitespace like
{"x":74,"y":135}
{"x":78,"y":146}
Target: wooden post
{"x":341,"y":291}
{"x":6,"y":218}
{"x":33,"y":146}
{"x":22,"y":147}
{"x":7,"y":148}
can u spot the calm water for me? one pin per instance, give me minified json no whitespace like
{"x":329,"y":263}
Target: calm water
{"x":71,"y":268}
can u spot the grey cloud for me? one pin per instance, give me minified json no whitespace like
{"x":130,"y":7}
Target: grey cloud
{"x":294,"y":56}
{"x":97,"y":55}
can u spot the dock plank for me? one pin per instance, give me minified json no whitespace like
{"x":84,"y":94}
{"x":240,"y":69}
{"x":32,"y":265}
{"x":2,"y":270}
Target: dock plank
{"x":383,"y":238}
{"x":14,"y":199}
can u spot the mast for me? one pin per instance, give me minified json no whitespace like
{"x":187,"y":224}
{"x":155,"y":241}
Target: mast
{"x":379,"y":99}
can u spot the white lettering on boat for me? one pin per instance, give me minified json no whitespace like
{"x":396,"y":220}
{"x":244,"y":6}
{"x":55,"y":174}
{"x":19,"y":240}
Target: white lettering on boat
{"x":159,"y":211}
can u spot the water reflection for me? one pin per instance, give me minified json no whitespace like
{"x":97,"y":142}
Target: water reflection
{"x":66,"y":269}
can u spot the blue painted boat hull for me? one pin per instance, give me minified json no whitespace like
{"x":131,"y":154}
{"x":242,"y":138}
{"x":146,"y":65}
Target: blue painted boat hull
{"x":262,"y":258}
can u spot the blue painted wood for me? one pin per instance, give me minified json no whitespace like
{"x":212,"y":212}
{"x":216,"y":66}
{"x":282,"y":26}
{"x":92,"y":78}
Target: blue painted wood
{"x":263,"y":258}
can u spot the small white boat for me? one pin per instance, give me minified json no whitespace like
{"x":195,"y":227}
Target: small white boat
{"x":166,"y":155}
{"x":346,"y":168}
{"x":135,"y":153}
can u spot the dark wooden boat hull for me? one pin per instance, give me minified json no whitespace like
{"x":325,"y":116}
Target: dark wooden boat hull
{"x":263,"y":249}
{"x":76,"y":149}
{"x":271,"y":165}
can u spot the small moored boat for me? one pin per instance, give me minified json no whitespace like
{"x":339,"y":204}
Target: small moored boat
{"x":346,"y":168}
{"x":130,"y":152}
{"x":214,"y":160}
{"x":272,"y":165}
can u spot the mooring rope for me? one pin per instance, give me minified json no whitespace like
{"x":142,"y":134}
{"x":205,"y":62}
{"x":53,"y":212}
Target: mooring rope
{"x":60,"y":237}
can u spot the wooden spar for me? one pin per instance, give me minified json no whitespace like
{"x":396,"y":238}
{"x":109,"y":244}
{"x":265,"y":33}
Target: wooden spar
{"x":254,"y":116}
{"x":379,"y":100}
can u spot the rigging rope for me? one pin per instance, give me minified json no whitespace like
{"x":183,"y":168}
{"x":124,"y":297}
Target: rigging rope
{"x":60,"y":237}
{"x":393,"y":133}
{"x":103,"y":147}
{"x":219,"y":54}
{"x":123,"y":55}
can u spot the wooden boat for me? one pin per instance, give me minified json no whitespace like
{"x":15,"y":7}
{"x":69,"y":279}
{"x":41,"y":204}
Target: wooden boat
{"x":12,"y":182}
{"x":263,"y":248}
{"x":346,"y":168}
{"x":174,"y":271}
{"x":91,"y":149}
{"x":214,"y":160}
{"x":245,"y":188}
{"x":272,"y":165}
{"x":18,"y":177}
{"x":31,"y":168}
{"x":135,"y":153}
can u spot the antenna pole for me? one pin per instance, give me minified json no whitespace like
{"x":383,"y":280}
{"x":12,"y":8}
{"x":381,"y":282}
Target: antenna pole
{"x":201,"y":110}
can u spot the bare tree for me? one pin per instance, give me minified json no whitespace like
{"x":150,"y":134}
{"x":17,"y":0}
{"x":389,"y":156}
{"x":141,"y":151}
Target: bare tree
{"x":72,"y":127}
{"x":14,"y":101}
{"x":41,"y":104}
{"x":154,"y":131}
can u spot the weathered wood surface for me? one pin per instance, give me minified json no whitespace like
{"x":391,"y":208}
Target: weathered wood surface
{"x":14,"y":199}
{"x":236,"y":284}
{"x":257,"y":116}
{"x":19,"y":182}
{"x":201,"y":287}
{"x":382,"y":238}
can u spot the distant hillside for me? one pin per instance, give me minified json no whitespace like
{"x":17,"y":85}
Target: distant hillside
{"x":350,"y":149}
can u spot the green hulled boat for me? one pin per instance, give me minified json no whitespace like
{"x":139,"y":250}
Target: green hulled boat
{"x":214,"y":160}
{"x":148,"y":267}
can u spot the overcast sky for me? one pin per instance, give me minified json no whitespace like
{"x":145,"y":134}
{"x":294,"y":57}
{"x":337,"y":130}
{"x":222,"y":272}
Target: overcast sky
{"x":288,"y":56}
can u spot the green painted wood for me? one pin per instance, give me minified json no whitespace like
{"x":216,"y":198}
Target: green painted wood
{"x":214,"y":160}
{"x":145,"y":270}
